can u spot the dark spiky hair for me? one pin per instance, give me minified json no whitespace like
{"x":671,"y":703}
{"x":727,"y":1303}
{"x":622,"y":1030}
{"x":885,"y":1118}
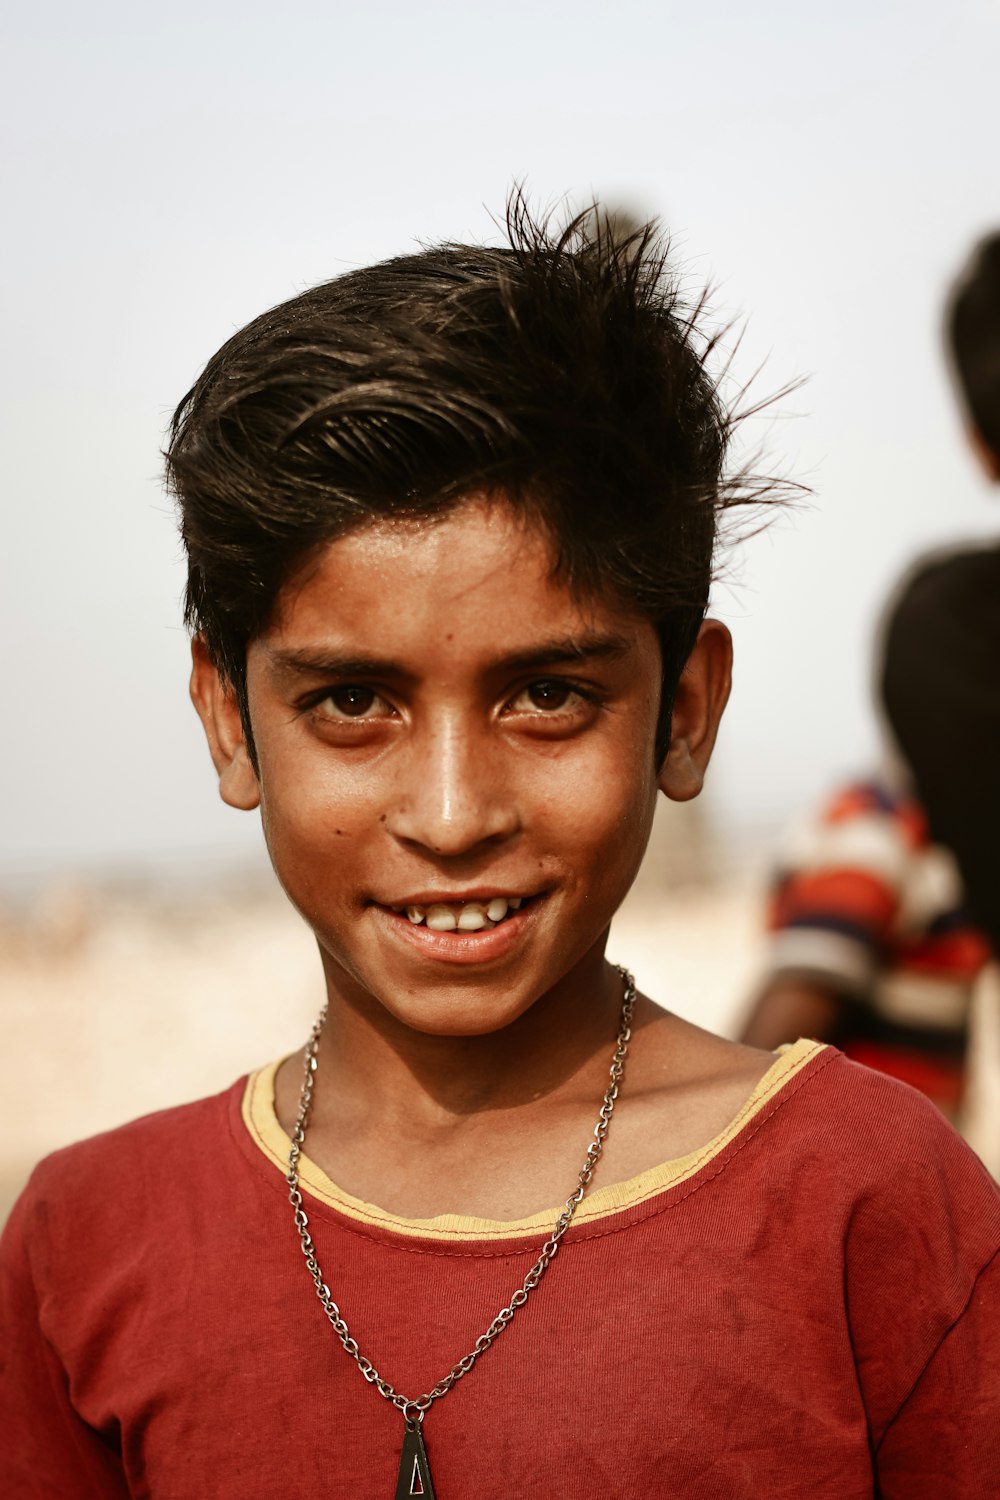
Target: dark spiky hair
{"x":562,"y":370}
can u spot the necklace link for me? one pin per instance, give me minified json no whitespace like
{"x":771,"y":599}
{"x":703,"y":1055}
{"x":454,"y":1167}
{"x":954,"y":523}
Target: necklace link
{"x":413,"y":1410}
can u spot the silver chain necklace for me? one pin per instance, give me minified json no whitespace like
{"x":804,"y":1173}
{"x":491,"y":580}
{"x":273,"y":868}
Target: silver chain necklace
{"x":414,"y":1472}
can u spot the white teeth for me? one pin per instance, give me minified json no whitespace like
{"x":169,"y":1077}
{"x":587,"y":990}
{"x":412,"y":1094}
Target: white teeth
{"x":467,"y":916}
{"x":472,"y":918}
{"x":441,"y":919}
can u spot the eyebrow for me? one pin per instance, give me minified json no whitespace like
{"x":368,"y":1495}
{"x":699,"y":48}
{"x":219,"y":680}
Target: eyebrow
{"x":570,"y":649}
{"x":573,"y":650}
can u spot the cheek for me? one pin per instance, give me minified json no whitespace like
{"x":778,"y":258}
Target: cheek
{"x":311,"y":816}
{"x":599,"y":806}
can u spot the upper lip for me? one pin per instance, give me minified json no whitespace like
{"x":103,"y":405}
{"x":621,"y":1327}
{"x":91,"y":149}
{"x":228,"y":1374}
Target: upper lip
{"x":459,"y":898}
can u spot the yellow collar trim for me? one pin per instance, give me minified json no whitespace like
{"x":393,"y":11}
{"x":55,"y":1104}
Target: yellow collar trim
{"x":262,"y":1123}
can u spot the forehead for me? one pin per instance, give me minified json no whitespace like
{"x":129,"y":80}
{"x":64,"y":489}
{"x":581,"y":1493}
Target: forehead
{"x":483,"y":572}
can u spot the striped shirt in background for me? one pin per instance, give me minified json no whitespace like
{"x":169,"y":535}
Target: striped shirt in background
{"x":865,"y":905}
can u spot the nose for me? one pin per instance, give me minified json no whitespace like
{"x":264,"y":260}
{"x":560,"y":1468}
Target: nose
{"x":451,"y":795}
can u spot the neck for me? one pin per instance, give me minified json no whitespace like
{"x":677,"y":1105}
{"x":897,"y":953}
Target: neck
{"x":373,"y":1065}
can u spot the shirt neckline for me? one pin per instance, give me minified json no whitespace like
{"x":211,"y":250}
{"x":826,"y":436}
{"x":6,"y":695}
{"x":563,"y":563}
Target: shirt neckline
{"x":266,"y":1133}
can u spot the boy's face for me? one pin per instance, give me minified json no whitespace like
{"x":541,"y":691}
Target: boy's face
{"x":439,"y":723}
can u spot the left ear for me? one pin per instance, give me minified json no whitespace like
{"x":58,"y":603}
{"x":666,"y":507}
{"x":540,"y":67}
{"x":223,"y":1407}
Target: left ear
{"x":702,"y":694}
{"x":216,"y":704}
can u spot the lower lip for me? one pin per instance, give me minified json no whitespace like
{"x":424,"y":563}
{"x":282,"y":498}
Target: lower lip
{"x":461,"y":947}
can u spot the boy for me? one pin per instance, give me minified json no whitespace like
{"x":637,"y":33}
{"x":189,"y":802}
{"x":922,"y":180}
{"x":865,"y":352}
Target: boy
{"x":450,"y":525}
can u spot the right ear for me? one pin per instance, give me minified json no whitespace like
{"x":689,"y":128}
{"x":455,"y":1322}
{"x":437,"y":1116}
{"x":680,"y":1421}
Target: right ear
{"x":220,"y":717}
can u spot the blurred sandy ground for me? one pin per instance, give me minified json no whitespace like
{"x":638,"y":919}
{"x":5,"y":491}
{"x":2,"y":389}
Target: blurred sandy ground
{"x":116,"y":1000}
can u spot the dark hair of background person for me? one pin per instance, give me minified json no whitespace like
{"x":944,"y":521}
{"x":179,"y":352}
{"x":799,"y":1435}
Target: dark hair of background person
{"x":564,"y":371}
{"x":972,"y":322}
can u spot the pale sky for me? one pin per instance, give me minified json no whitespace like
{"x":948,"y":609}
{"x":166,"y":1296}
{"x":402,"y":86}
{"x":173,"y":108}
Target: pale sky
{"x":171,"y":172}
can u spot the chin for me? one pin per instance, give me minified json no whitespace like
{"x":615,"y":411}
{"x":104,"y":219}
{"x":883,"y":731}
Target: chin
{"x":469,"y":1009}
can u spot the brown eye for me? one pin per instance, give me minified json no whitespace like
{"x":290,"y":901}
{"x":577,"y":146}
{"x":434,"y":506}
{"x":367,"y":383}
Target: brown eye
{"x":551,"y":695}
{"x":349,"y":702}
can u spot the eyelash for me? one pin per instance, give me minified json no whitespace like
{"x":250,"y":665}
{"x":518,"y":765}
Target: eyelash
{"x":563,"y":684}
{"x":587,"y":696}
{"x":317,"y":699}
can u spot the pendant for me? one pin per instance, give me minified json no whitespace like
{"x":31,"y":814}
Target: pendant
{"x":414,"y":1471}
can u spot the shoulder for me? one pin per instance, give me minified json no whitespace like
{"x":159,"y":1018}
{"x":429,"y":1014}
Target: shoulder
{"x":881,"y":1168}
{"x":917,"y":1218}
{"x":865,"y":1156}
{"x":876,"y":1128}
{"x":148,"y":1138}
{"x":114,"y":1176}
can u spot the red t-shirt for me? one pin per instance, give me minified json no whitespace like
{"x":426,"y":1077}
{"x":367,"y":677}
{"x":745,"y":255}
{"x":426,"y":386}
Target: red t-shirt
{"x":809,"y":1306}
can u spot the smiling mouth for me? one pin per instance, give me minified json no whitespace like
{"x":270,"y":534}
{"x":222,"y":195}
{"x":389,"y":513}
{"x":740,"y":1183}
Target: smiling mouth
{"x":461,"y":916}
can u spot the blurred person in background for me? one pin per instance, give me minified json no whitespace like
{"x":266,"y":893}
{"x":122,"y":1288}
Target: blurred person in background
{"x":870,"y":946}
{"x":885,"y":907}
{"x":941,"y":676}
